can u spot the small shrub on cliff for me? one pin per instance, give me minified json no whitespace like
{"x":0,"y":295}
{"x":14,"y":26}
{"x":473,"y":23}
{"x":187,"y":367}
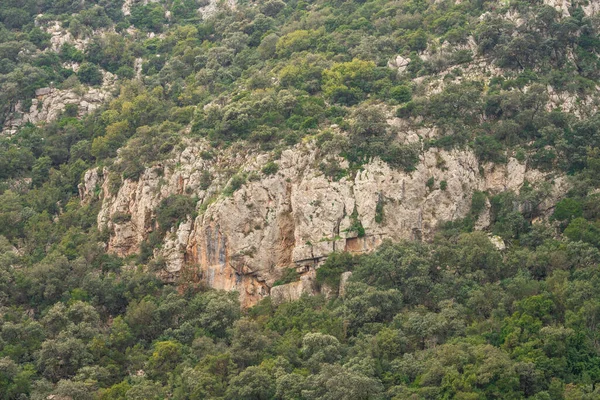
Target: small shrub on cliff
{"x":356,"y":226}
{"x":270,"y":168}
{"x":477,"y":202}
{"x":289,"y":275}
{"x":379,"y":210}
{"x":147,"y":247}
{"x":368,"y":122}
{"x":173,"y":210}
{"x":401,"y":93}
{"x":121,"y":217}
{"x":401,"y":156}
{"x":236,"y":182}
{"x":332,"y":169}
{"x":567,"y":209}
{"x":205,"y":180}
{"x":90,"y":74}
{"x":430,"y":183}
{"x":335,"y":265}
{"x":71,"y":110}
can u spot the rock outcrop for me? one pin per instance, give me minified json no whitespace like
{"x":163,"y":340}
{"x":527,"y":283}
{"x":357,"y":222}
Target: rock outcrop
{"x":90,"y":187}
{"x":399,"y":63}
{"x":50,"y":102}
{"x":297,"y":216}
{"x":294,"y":290}
{"x":59,"y":36}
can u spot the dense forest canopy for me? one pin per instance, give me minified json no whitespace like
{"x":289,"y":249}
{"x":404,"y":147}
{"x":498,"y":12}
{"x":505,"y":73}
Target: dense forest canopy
{"x":457,"y":317}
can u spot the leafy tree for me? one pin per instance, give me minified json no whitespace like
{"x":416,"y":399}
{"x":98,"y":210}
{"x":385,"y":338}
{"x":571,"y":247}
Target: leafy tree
{"x":164,"y":359}
{"x":368,"y":122}
{"x":336,"y":382}
{"x":567,"y":209}
{"x":61,"y":358}
{"x":406,"y":267}
{"x":348,"y":83}
{"x":90,"y":74}
{"x":401,"y":93}
{"x":252,"y":383}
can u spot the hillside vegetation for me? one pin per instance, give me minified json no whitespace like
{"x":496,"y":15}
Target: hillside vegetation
{"x":459,"y":316}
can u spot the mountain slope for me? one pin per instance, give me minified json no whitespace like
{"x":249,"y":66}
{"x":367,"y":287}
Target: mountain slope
{"x":392,"y":199}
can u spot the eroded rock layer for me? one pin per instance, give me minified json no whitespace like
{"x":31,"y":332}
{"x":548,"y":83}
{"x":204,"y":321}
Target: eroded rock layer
{"x":297,"y":216}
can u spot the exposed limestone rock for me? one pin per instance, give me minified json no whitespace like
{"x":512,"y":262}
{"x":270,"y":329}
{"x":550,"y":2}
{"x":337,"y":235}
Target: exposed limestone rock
{"x":293,"y":291}
{"x":344,"y":278}
{"x":484,"y":217}
{"x":60,"y":36}
{"x":43,"y":92}
{"x":569,"y":103}
{"x":173,"y":250}
{"x":50,"y":102}
{"x":590,"y":7}
{"x":74,"y":66}
{"x":211,"y":9}
{"x":498,"y":242}
{"x":297,"y":216}
{"x":399,"y":63}
{"x":408,"y":134}
{"x":480,"y":69}
{"x":515,"y":17}
{"x":561,"y":6}
{"x":126,"y":7}
{"x":443,"y":51}
{"x":137,"y":67}
{"x":91,"y":183}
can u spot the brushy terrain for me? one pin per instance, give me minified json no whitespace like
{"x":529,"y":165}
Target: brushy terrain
{"x":453,"y":318}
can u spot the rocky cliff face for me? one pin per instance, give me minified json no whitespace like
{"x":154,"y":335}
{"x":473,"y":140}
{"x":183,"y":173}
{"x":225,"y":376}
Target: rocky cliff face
{"x":50,"y":102}
{"x":297,"y":216}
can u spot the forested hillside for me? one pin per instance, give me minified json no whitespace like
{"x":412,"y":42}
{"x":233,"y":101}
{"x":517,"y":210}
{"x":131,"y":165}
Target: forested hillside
{"x":299,"y":199}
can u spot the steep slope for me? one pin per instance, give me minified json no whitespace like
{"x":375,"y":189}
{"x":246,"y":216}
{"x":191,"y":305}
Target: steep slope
{"x":284,"y":152}
{"x":399,"y":199}
{"x":295,"y":217}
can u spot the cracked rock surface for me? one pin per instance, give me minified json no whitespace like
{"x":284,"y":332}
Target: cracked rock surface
{"x":297,"y":216}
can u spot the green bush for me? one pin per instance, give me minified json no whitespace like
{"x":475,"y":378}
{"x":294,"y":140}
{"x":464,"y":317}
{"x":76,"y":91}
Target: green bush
{"x":69,"y":52}
{"x":236,"y":182}
{"x":487,"y":148}
{"x":173,"y":210}
{"x":150,"y":16}
{"x":379,"y":214}
{"x":125,"y":72}
{"x":580,"y":229}
{"x":368,"y":122}
{"x":71,"y":110}
{"x":289,"y":275}
{"x":332,"y":169}
{"x":567,"y":209}
{"x":356,"y":225}
{"x":337,"y":263}
{"x":430,"y":182}
{"x":401,"y":93}
{"x":478,"y":200}
{"x":90,"y":74}
{"x":270,"y":168}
